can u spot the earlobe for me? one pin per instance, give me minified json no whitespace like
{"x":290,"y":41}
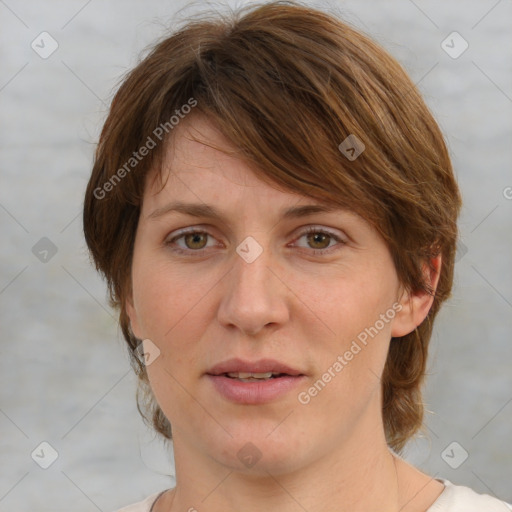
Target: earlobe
{"x":416,"y":304}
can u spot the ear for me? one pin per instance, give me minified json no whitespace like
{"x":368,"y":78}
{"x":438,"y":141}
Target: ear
{"x":416,"y":305}
{"x":131,"y":311}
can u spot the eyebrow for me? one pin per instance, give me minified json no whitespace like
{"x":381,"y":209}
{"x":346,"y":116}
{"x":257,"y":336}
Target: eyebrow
{"x":207,"y":211}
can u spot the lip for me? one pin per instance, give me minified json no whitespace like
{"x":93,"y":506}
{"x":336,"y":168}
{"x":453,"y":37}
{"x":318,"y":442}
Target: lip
{"x":253,"y":393}
{"x":260,"y":366}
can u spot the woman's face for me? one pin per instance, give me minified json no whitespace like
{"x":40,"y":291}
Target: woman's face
{"x":252,"y":291}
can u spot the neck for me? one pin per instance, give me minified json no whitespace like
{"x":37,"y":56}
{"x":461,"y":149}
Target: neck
{"x":356,"y":476}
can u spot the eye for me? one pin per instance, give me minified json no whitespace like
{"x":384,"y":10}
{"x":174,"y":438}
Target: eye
{"x":195,"y":241}
{"x":319,"y":240}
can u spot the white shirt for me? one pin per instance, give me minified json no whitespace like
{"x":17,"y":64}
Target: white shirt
{"x":454,"y":498}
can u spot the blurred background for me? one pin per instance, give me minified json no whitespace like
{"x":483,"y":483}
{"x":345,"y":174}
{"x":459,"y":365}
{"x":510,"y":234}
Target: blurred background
{"x":70,"y":434}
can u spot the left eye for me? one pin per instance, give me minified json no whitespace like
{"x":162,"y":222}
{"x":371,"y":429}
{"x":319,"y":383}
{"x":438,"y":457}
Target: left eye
{"x":319,"y":241}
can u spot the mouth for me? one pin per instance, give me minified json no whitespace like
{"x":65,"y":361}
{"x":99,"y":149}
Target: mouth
{"x":262,"y":369}
{"x":253,"y":383}
{"x":254,"y":377}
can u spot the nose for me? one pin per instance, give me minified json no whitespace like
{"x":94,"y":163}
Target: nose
{"x":255,"y":295}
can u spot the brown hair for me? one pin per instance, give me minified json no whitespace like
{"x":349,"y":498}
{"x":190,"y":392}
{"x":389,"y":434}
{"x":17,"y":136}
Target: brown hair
{"x":286,"y":84}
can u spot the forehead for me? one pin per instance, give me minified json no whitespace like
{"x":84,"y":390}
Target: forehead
{"x":200,"y":162}
{"x":204,"y":176}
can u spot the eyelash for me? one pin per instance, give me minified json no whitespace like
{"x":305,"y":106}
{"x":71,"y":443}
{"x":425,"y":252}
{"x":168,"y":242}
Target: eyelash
{"x":309,"y":230}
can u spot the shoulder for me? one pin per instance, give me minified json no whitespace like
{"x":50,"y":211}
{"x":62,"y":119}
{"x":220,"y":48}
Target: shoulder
{"x":457,"y":498}
{"x":141,"y":506}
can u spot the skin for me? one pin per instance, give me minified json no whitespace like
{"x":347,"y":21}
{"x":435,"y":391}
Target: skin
{"x":290,"y":304}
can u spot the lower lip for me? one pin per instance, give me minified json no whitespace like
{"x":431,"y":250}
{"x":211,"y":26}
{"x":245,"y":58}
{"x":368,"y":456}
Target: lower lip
{"x":252,"y":393}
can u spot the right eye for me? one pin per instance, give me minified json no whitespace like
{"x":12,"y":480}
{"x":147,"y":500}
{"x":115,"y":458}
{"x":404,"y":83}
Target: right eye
{"x":195,"y":241}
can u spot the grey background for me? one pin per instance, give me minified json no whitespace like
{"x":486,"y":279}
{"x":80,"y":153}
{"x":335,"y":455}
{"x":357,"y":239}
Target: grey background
{"x":64,"y":373}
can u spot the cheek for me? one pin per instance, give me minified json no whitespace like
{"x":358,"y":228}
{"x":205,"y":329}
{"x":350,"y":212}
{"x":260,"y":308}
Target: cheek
{"x":173,"y":312}
{"x":164,"y":299}
{"x":349,"y":364}
{"x":355,"y":304}
{"x":359,"y":313}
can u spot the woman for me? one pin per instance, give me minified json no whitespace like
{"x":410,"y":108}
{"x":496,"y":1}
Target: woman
{"x":275,"y":212}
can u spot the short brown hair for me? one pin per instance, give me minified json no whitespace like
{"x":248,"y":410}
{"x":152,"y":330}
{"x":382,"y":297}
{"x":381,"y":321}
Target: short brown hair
{"x":286,"y":84}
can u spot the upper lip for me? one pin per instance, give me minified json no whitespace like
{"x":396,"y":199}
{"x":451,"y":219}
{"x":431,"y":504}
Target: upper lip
{"x":260,"y":366}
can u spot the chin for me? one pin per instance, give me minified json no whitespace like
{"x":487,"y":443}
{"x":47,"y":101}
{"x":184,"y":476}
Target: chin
{"x":253,"y":451}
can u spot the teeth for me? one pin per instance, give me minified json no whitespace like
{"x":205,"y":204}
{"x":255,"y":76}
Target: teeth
{"x":247,"y":375}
